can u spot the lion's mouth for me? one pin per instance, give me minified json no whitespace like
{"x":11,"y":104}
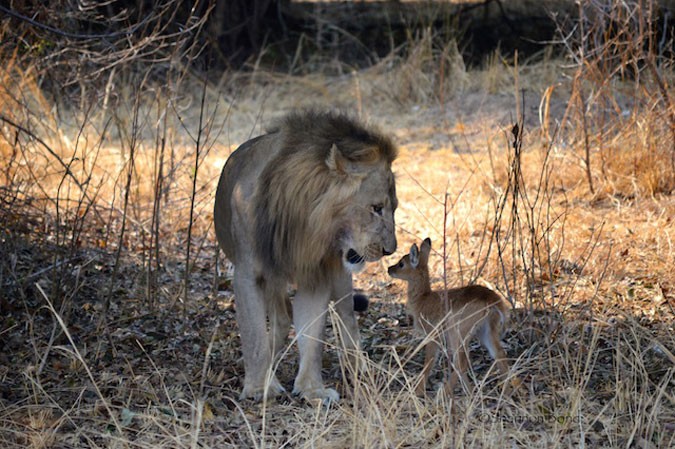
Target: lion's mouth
{"x":373,"y":253}
{"x":353,"y":261}
{"x":354,"y":258}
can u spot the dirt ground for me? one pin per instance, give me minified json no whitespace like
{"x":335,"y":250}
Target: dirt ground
{"x":591,"y":333}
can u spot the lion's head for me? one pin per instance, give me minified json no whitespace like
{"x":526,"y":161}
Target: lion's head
{"x":327,"y":199}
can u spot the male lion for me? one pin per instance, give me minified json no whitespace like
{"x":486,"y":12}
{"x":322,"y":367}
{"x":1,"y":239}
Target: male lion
{"x":309,"y":203}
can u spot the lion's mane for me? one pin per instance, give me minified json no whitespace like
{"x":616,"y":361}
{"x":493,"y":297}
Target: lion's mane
{"x":300,"y":203}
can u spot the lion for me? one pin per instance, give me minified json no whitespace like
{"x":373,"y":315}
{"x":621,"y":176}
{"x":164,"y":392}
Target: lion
{"x":308,"y":203}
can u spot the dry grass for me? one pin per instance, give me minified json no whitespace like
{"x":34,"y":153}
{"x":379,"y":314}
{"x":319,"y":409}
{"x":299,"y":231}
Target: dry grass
{"x":115,"y":334}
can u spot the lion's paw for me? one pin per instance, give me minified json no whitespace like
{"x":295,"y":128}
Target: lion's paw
{"x":326,"y":395}
{"x":257,"y":392}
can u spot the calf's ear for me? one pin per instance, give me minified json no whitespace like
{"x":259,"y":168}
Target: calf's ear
{"x":414,"y":256}
{"x":425,"y":249}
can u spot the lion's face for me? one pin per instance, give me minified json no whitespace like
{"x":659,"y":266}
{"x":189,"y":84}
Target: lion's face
{"x":369,"y":232}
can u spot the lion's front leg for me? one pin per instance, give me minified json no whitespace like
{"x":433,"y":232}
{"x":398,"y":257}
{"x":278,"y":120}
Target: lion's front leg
{"x":309,"y":318}
{"x":259,"y":378}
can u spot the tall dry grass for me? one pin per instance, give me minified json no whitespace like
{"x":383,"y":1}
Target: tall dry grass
{"x":620,"y":113}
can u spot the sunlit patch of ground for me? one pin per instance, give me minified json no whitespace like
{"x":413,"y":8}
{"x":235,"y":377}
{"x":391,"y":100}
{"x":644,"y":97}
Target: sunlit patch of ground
{"x":592,"y":284}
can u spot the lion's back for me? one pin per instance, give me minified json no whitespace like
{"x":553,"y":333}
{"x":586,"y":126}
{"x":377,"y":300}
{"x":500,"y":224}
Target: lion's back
{"x":232,"y":219}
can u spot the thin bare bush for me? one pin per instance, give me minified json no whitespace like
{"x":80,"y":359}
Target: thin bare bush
{"x":620,"y":113}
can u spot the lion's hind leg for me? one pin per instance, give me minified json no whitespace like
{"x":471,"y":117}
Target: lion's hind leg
{"x":279,"y":315}
{"x":347,"y":326}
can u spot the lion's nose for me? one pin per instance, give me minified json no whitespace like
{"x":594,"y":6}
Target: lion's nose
{"x":389,"y":246}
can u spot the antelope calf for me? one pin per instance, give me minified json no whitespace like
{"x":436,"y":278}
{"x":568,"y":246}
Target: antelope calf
{"x":458,"y":314}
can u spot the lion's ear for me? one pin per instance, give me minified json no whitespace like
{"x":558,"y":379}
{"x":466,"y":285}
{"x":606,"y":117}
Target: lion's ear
{"x":338,"y":163}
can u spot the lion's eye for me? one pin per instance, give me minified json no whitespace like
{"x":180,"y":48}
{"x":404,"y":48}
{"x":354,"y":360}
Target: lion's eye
{"x":378,"y":208}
